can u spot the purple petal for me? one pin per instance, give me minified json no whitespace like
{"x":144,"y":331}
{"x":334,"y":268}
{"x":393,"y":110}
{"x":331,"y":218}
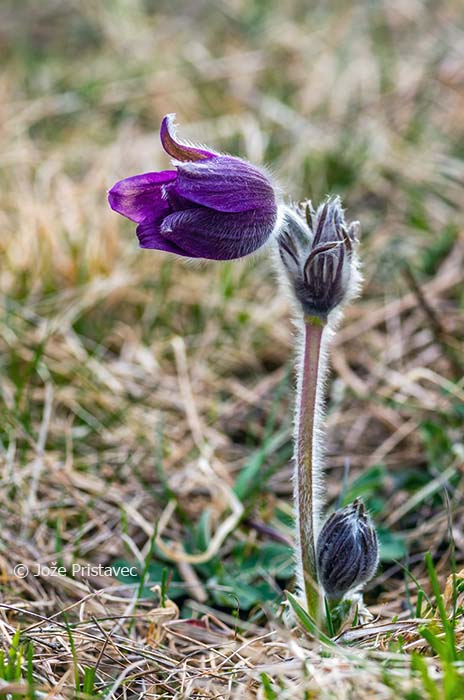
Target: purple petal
{"x":175,"y":148}
{"x":141,"y":197}
{"x":150,"y":236}
{"x":226,"y":184}
{"x":214,"y":235}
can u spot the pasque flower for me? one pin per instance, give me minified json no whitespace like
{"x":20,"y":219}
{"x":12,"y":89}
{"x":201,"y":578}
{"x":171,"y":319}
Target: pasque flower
{"x":317,"y":252}
{"x":317,"y":260}
{"x":211,"y":206}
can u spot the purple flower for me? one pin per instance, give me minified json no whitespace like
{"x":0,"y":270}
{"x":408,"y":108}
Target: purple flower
{"x":212,"y":206}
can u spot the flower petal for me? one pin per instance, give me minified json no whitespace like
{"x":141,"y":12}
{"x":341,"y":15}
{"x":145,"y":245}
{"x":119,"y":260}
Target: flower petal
{"x":141,"y":197}
{"x":175,"y":148}
{"x":226,"y":184}
{"x":214,"y":235}
{"x":150,"y":236}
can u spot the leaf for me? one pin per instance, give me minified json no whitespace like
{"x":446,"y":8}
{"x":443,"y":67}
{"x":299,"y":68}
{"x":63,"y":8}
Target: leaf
{"x":269,"y":692}
{"x":420,"y":665}
{"x":451,"y":652}
{"x":273,"y":558}
{"x":366,"y":484}
{"x":392,"y":546}
{"x":156,"y":572}
{"x":250,"y":478}
{"x":307,"y":622}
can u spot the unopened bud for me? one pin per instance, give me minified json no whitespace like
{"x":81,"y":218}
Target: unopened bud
{"x":347,"y":550}
{"x":317,"y":253}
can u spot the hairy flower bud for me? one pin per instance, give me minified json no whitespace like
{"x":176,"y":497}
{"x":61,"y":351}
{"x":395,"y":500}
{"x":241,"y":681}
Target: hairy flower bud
{"x":347,"y":550}
{"x":318,"y":256}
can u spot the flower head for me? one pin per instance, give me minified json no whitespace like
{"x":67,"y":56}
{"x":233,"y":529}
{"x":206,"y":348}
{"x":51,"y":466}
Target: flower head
{"x":318,"y":256}
{"x":211,"y":206}
{"x":347,"y":550}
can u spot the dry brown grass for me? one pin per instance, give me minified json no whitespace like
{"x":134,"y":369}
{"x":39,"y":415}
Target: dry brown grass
{"x":134,"y":389}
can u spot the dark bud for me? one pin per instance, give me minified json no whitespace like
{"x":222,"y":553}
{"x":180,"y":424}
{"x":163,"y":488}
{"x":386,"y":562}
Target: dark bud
{"x":317,"y":253}
{"x":347,"y":550}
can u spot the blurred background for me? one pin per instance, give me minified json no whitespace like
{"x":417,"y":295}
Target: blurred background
{"x":146,"y":404}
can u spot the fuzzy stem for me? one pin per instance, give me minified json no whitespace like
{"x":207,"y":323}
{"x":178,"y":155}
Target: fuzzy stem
{"x":305,"y":462}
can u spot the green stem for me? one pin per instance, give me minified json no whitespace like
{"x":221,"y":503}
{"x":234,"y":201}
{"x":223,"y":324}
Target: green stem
{"x":306,"y":467}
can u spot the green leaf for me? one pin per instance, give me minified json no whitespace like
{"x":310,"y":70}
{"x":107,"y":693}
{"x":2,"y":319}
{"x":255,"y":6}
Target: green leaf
{"x":228,"y":592}
{"x":307,"y":622}
{"x":365,"y":484}
{"x":155,"y":571}
{"x":269,"y":692}
{"x":451,"y":651}
{"x":89,"y":680}
{"x":418,"y":664}
{"x":250,"y":478}
{"x":392,"y":546}
{"x":272,"y":558}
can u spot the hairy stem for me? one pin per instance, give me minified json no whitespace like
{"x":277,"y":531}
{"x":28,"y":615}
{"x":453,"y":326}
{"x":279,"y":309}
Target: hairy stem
{"x":305,"y":482}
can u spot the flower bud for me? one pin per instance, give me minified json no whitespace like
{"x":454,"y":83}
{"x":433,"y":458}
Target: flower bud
{"x":347,"y":550}
{"x":317,"y":253}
